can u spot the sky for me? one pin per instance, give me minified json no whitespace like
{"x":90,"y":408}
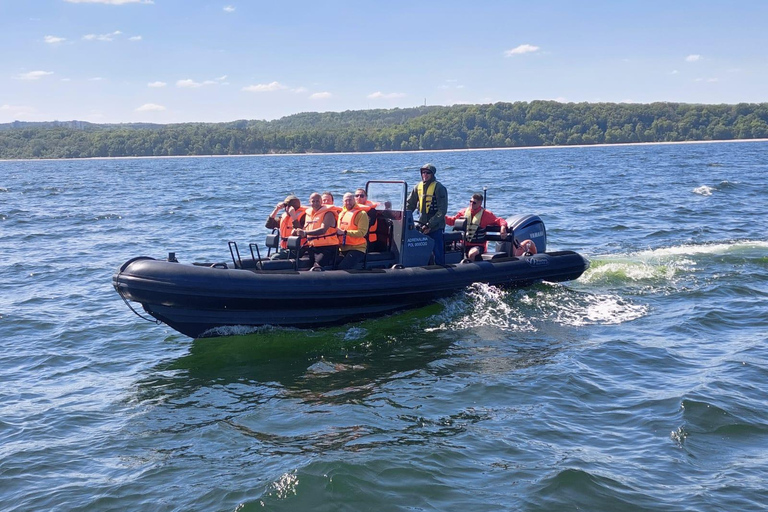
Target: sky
{"x":172,"y":61}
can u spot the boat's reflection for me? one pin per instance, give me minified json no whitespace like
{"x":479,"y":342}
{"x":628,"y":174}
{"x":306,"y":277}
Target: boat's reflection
{"x":331,"y":365}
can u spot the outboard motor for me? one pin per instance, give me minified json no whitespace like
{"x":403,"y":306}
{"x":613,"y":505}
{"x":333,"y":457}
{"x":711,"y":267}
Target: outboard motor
{"x":526,"y":227}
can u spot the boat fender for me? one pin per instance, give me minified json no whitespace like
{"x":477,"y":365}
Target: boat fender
{"x":125,"y":265}
{"x":527,"y":247}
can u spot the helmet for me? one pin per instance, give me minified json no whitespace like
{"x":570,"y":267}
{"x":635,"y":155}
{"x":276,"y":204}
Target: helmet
{"x":429,"y":167}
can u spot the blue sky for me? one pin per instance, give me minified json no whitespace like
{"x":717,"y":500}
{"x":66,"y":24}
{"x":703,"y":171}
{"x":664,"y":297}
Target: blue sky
{"x":167,"y":61}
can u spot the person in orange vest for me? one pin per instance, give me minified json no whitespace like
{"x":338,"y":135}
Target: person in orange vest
{"x":361,"y":197}
{"x":478,"y":219}
{"x":353,"y":225}
{"x":320,"y":232}
{"x":327,"y":198}
{"x":293,"y":217}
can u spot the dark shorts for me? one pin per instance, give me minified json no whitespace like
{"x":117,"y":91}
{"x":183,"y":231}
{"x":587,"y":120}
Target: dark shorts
{"x":480,"y":247}
{"x":324,"y":256}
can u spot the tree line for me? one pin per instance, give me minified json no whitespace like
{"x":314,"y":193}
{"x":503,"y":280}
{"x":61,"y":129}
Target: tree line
{"x":498,"y":125}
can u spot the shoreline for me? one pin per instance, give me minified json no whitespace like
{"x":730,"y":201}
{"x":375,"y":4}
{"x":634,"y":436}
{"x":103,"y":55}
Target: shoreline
{"x":416,"y":151}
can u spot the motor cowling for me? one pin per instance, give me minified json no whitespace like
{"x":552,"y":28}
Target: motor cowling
{"x":526,"y":227}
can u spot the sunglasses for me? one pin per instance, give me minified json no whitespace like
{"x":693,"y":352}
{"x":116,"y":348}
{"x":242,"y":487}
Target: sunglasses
{"x":359,"y":195}
{"x":473,"y":201}
{"x":427,"y":172}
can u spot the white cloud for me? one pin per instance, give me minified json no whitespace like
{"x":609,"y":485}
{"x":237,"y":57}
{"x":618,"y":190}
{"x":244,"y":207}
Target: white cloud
{"x":229,"y":8}
{"x":450,"y":84}
{"x":16,"y":111}
{"x":188,"y":84}
{"x":54,"y":39}
{"x":674,"y":72}
{"x":33,"y":75}
{"x":110,"y":2}
{"x":150,"y":107}
{"x":270,"y":87}
{"x":299,"y":90}
{"x":102,"y":37}
{"x":157,"y":84}
{"x":320,"y":95}
{"x":135,"y":38}
{"x":95,"y":79}
{"x":519,"y":50}
{"x":388,"y":96}
{"x":693,"y":58}
{"x":191,"y":84}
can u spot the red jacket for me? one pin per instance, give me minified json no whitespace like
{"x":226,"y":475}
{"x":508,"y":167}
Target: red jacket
{"x":486,"y":219}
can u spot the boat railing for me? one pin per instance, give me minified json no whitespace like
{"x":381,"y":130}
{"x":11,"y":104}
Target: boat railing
{"x":256,"y":257}
{"x":234,"y":250}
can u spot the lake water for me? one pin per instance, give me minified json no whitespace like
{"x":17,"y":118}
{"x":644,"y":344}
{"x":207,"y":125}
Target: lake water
{"x":641,"y":386}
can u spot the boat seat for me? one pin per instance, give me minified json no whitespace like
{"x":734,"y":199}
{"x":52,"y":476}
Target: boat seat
{"x":273,"y":240}
{"x":277,"y":264}
{"x":383,"y":235}
{"x":453,"y":236}
{"x":491,"y":255}
{"x":380,"y":256}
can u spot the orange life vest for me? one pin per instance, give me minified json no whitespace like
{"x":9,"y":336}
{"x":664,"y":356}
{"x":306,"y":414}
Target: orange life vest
{"x":373,"y":225}
{"x":348,"y":221}
{"x":314,"y":221}
{"x":335,"y":209}
{"x":286,"y":226}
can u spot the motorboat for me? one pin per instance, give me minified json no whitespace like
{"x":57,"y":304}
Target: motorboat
{"x":202,"y":299}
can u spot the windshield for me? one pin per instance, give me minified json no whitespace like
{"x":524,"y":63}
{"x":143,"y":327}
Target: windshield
{"x":389,"y":195}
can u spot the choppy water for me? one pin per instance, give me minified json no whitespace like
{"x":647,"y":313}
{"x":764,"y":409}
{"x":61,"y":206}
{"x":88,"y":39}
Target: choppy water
{"x":642,"y":386}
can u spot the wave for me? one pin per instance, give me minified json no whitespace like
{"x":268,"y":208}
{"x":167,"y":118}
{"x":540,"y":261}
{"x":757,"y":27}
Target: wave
{"x":664,"y":265}
{"x":707,"y":190}
{"x":527,"y":310}
{"x":704,"y":190}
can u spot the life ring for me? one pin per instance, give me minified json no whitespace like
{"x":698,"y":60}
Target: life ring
{"x":526,"y":248}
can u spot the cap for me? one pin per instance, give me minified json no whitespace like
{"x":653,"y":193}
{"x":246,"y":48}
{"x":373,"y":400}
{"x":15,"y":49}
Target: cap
{"x":429,"y":167}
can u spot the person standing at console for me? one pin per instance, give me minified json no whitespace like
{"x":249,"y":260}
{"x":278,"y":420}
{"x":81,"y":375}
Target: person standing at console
{"x":430,"y":197}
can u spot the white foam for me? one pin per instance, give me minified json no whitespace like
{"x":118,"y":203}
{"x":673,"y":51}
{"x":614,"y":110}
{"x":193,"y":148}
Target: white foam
{"x":704,"y":190}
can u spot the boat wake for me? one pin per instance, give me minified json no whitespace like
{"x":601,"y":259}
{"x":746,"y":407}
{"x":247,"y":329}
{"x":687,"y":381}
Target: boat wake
{"x":530,"y":309}
{"x":654,"y":269}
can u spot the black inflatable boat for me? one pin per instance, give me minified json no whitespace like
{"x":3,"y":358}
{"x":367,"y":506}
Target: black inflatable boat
{"x":201,"y":298}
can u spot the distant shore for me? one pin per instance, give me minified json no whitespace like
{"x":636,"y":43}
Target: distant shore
{"x":416,"y":151}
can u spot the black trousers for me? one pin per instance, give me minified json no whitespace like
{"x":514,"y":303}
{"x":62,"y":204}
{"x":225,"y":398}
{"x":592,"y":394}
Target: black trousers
{"x":351,"y":259}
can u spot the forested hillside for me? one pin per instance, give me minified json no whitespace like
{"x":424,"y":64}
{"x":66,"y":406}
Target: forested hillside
{"x":538,"y":123}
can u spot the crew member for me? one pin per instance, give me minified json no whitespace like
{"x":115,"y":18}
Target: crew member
{"x":353,"y":225}
{"x":478,"y":219}
{"x":320,"y":232}
{"x":293,"y":217}
{"x":430,"y":197}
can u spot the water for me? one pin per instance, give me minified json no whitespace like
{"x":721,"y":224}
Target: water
{"x":640,"y":386}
